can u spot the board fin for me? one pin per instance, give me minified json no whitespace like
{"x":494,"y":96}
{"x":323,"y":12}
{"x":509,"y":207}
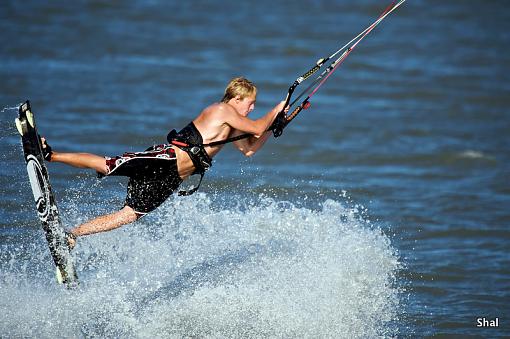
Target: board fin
{"x":58,"y":274}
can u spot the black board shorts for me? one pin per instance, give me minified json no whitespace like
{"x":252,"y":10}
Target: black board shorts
{"x":153,"y":176}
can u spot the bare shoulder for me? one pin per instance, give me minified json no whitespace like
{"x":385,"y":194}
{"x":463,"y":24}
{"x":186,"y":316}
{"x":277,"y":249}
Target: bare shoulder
{"x":217,"y":114}
{"x":214,"y":115}
{"x":219,"y":108}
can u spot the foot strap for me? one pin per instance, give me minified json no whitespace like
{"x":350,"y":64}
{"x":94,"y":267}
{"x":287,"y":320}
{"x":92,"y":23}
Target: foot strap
{"x":69,"y":237}
{"x":47,"y":151}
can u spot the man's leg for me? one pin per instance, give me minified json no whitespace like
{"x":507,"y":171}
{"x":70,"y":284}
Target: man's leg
{"x":80,"y":160}
{"x":105,"y":223}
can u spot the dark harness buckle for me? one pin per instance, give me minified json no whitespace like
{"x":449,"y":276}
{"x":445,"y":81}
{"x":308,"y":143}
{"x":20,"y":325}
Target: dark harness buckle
{"x":195,"y":150}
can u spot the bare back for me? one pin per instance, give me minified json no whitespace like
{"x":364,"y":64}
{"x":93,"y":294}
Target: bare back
{"x":223,"y":120}
{"x":212,"y":126}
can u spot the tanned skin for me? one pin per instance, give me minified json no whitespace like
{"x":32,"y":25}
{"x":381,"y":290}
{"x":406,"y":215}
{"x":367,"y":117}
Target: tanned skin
{"x":216,"y":122}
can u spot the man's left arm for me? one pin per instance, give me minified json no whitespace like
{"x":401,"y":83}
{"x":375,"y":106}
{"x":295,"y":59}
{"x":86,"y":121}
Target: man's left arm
{"x":252,"y":144}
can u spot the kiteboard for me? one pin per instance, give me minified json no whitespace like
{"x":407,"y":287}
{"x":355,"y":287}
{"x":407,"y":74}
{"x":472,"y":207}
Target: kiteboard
{"x":45,"y":203}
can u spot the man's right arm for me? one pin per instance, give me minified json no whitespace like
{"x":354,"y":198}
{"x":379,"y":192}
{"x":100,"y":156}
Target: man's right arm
{"x":247,"y":125}
{"x":251,"y":145}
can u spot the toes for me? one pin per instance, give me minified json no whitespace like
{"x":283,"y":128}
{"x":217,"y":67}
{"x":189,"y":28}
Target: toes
{"x":72,"y":243}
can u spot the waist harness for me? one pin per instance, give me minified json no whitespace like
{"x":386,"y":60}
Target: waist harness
{"x":190,"y":140}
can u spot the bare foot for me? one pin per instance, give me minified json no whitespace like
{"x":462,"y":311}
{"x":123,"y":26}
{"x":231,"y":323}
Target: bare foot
{"x":71,"y":240}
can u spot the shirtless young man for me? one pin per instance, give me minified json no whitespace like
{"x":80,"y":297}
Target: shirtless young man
{"x":156,"y":173}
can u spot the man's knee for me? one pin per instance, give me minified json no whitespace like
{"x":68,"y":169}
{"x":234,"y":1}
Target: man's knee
{"x":130,"y":214}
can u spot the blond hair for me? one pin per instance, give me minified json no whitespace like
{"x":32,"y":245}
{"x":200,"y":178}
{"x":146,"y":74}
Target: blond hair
{"x":241,"y":87}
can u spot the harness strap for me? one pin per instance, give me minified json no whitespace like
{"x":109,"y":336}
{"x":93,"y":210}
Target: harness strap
{"x":194,"y":189}
{"x":240,"y":137}
{"x":228,"y":140}
{"x":198,"y":156}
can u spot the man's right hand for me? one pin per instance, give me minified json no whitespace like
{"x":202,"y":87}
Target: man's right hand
{"x":281,"y":107}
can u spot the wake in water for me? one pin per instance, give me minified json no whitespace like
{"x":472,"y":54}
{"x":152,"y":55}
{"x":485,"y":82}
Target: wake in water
{"x":192,"y":269}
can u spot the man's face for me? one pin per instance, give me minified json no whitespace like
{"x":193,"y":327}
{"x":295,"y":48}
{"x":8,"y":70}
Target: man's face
{"x":246,"y":105}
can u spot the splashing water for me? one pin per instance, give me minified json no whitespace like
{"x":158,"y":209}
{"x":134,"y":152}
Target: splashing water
{"x":265,"y":269}
{"x":10,"y":108}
